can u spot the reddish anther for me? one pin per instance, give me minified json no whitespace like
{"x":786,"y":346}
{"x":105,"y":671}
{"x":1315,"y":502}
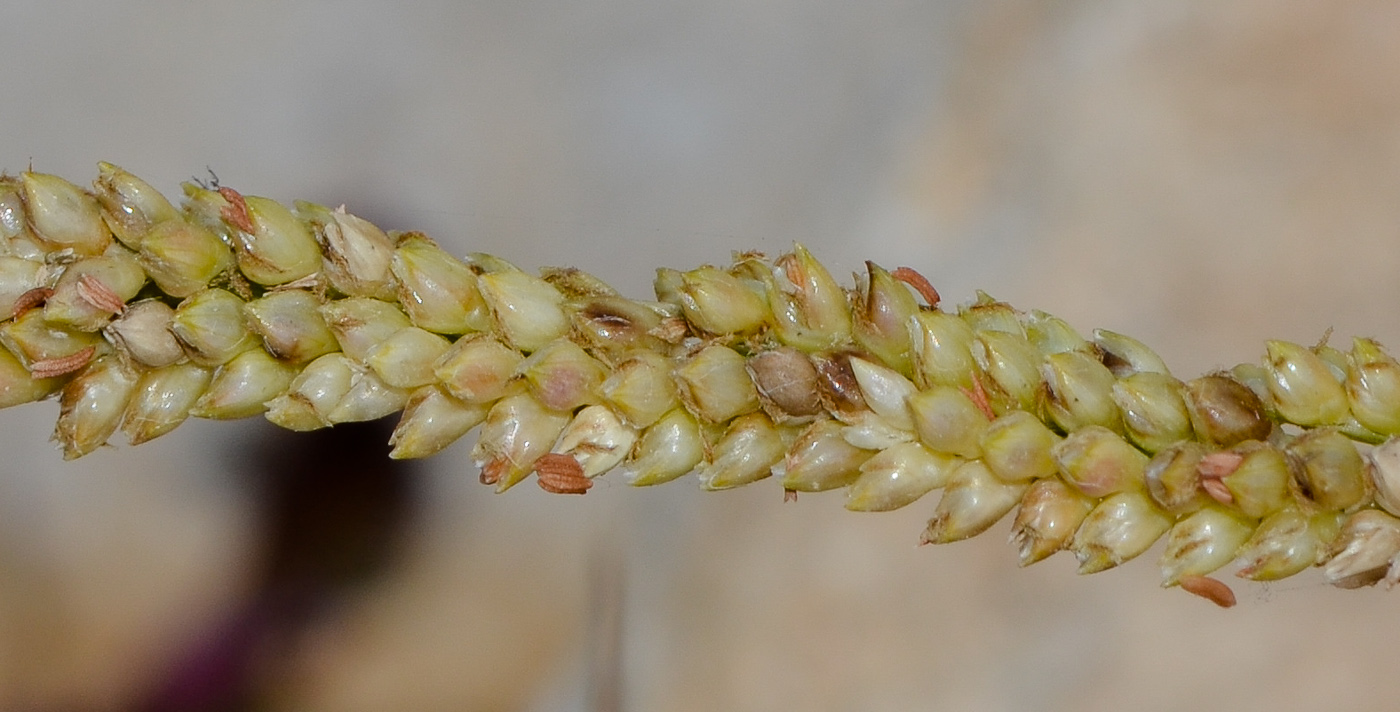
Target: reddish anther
{"x":978,"y":395}
{"x":236,"y":213}
{"x":93,"y":291}
{"x":30,"y":299}
{"x":920,"y":283}
{"x":789,"y":495}
{"x":491,"y":472}
{"x":561,"y":474}
{"x":54,"y":367}
{"x":791,"y":269}
{"x":1217,"y":490}
{"x":1219,"y":464}
{"x":1213,"y":590}
{"x":1215,"y":466}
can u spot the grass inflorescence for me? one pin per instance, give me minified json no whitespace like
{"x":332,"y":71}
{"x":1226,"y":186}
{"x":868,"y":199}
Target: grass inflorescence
{"x":137,"y":314}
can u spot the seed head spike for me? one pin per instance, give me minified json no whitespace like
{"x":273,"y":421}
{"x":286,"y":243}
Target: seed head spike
{"x":234,"y":306}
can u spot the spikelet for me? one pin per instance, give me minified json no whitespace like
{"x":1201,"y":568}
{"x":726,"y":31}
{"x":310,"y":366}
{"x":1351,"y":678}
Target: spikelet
{"x":137,"y":314}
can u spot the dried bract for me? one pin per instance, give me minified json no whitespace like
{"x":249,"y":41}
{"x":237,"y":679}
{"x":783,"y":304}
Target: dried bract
{"x":1383,"y":470}
{"x":1173,"y":478}
{"x":840,"y":393}
{"x":617,"y":326}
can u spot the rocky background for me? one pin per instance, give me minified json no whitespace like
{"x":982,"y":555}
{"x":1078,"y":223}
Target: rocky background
{"x":1202,"y":175}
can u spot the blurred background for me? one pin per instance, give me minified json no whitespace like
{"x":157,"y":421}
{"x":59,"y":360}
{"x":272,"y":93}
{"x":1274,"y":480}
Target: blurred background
{"x":1202,"y":175}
